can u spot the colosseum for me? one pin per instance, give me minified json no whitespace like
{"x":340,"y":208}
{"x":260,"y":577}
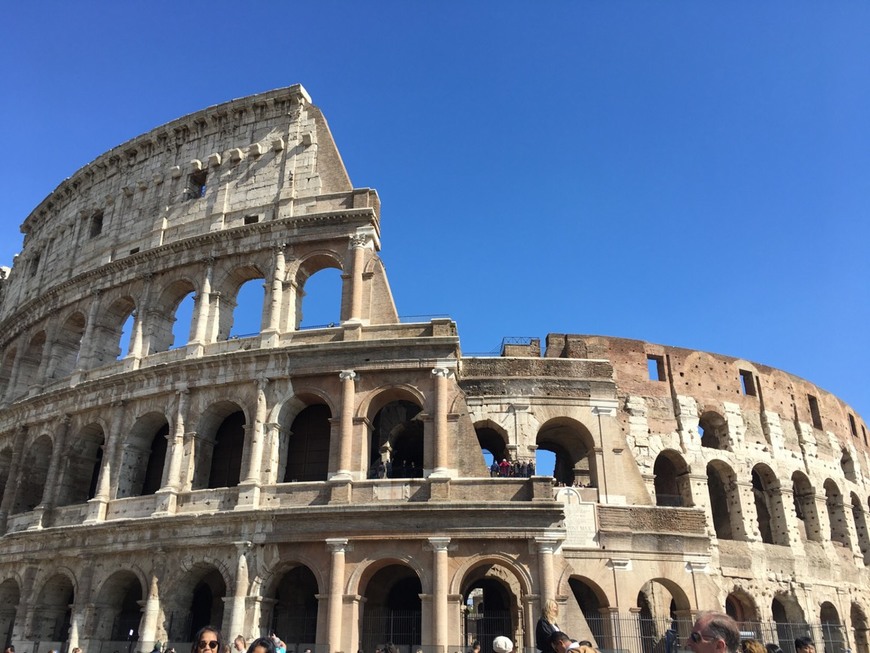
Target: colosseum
{"x":333,"y":483}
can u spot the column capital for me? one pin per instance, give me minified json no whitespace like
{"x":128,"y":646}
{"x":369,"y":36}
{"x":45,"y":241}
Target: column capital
{"x":347,"y":375}
{"x":338,"y":544}
{"x":442,"y":372}
{"x":547,"y":544}
{"x":358,"y":241}
{"x":439,"y":543}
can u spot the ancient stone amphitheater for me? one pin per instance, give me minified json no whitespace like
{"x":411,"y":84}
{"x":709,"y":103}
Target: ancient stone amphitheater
{"x":332,"y":483}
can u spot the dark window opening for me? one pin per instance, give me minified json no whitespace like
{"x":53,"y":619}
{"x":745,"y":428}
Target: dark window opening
{"x":747,"y":383}
{"x":853,"y":426}
{"x":864,"y":433}
{"x":814,"y":411}
{"x":252,"y":219}
{"x":655,"y":366}
{"x":96,"y":224}
{"x":196,"y":184}
{"x":34,"y":266}
{"x":135,"y":250}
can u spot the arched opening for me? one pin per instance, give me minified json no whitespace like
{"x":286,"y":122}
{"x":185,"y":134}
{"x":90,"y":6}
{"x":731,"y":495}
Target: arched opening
{"x":5,"y":469}
{"x":28,"y":368}
{"x":10,"y":596}
{"x":82,"y":467}
{"x":832,"y":630}
{"x":488,"y":602}
{"x":392,"y":609}
{"x":320,"y":299}
{"x":848,"y":465}
{"x":805,"y":507}
{"x":789,"y":620}
{"x":740,"y":607}
{"x":859,"y":628}
{"x":294,"y":612}
{"x":724,"y":501}
{"x":768,"y":506}
{"x":671,"y":483}
{"x":308,"y":445}
{"x":118,"y":610}
{"x":6,"y":371}
{"x":713,"y":430}
{"x":110,"y":341}
{"x":32,"y":484}
{"x":206,"y":605}
{"x":493,"y":446}
{"x":219,"y":453}
{"x":67,"y":346}
{"x":836,"y":514}
{"x":55,"y":602}
{"x":170,"y":319}
{"x":592,"y":601}
{"x":574,"y":449}
{"x":144,"y":456}
{"x":658,"y":602}
{"x":860,"y":527}
{"x":396,"y":443}
{"x":246,"y":317}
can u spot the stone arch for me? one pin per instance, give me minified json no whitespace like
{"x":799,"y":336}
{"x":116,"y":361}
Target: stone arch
{"x":397,"y":433}
{"x":766,"y":491}
{"x":144,"y":456}
{"x":306,"y":429}
{"x":162,"y":315}
{"x":574,"y":447}
{"x":10,"y":597}
{"x":393,"y":609}
{"x":117,"y":609}
{"x":860,"y":521}
{"x":833,"y":634}
{"x":308,"y":266}
{"x":67,"y":344}
{"x":594,"y":606}
{"x":292,"y":591}
{"x":805,"y":507}
{"x":741,"y":607}
{"x":836,"y":514}
{"x":725,"y":501}
{"x":228,"y":289}
{"x":196,"y":599}
{"x":492,"y":595}
{"x":659,"y":602}
{"x":860,"y":627}
{"x":31,"y":486}
{"x":55,"y":599}
{"x":789,"y":619}
{"x":31,"y":359}
{"x":107,"y":331}
{"x":671,"y":480}
{"x":492,"y":438}
{"x":81,"y":468}
{"x":6,"y":370}
{"x":713,"y":429}
{"x":222,"y":429}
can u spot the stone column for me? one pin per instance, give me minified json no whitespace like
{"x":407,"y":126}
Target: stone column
{"x":171,"y":483}
{"x":337,"y":546}
{"x":237,"y":609}
{"x":357,"y":245}
{"x":97,"y":506}
{"x":546,"y":548}
{"x":137,"y":337}
{"x":255,"y":459}
{"x":151,"y":613}
{"x":441,"y":451}
{"x":87,"y":345}
{"x":440,"y":631}
{"x":272,"y":440}
{"x":52,"y":486}
{"x":14,"y":478}
{"x":201,"y":306}
{"x":345,"y":437}
{"x":276,"y":289}
{"x":11,"y":393}
{"x":290,"y":310}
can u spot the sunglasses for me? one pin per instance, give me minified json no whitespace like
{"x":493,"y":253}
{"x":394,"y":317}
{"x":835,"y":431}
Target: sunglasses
{"x":697,"y":638}
{"x":213,"y":644}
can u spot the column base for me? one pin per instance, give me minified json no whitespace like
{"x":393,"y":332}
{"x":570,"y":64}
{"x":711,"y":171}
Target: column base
{"x":167,"y":503}
{"x":249,"y":497}
{"x":340,"y":490}
{"x":96,"y":510}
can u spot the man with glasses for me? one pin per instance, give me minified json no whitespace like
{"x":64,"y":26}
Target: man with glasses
{"x":714,"y":632}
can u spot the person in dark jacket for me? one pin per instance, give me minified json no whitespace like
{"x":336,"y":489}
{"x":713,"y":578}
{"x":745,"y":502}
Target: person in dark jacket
{"x":547,"y":626}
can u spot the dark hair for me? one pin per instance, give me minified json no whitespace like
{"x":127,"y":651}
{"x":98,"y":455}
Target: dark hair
{"x":723,"y":627}
{"x":266,"y":642}
{"x":559,"y":636}
{"x":803,"y":642}
{"x":773,"y":648}
{"x":206,"y":629}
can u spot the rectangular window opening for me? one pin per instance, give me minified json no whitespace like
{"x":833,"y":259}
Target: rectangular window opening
{"x":853,"y":426}
{"x":196,"y":184}
{"x":814,"y":411}
{"x":655,"y":366}
{"x":864,"y":434}
{"x":96,"y":227}
{"x":135,"y":250}
{"x":252,"y":219}
{"x":34,"y":266}
{"x":747,"y":383}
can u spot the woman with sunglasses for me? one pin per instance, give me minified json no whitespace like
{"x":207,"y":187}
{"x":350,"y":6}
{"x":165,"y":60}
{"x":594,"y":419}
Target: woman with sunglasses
{"x":262,"y":645}
{"x":207,"y":640}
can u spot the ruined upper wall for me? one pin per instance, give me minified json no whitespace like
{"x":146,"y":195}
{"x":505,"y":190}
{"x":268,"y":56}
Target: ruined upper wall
{"x":663,"y":374}
{"x":265,"y":157}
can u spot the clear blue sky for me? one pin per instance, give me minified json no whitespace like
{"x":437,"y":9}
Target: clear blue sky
{"x":690,"y":173}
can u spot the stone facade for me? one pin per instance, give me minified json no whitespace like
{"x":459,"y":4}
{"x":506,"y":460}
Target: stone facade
{"x":331,"y":483}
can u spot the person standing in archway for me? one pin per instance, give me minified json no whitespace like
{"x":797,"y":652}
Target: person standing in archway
{"x":547,"y":626}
